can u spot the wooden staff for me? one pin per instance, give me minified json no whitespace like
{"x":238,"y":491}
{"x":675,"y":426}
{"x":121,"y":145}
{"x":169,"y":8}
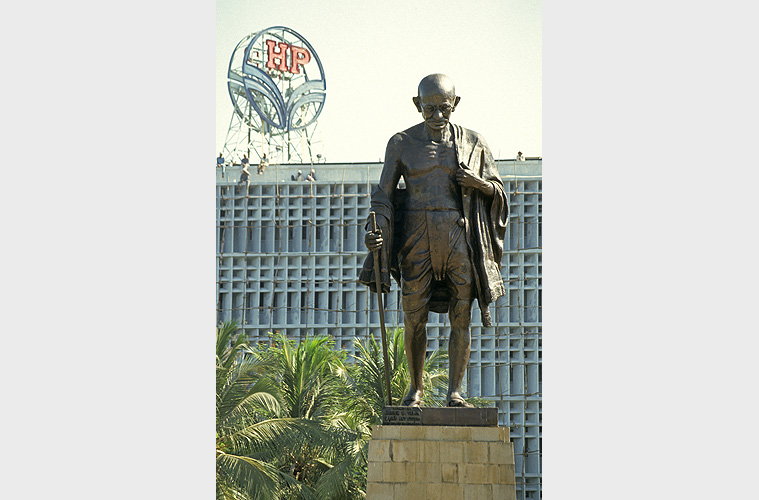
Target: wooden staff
{"x":378,"y":282}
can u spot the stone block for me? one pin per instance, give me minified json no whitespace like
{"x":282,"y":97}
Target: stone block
{"x":412,"y":491}
{"x":476,"y":452}
{"x":386,"y":432}
{"x":504,"y":492}
{"x":378,"y":432}
{"x":478,"y":492}
{"x":379,"y":450}
{"x":380,"y":491}
{"x":426,"y":472}
{"x":494,"y":472}
{"x":398,"y":472}
{"x":474,"y":473}
{"x":429,"y":451}
{"x":458,"y":433}
{"x":434,"y":432}
{"x":501,"y":453}
{"x":449,"y":491}
{"x":450,"y":472}
{"x":374,"y":472}
{"x":404,"y":451}
{"x":432,"y":491}
{"x":417,"y":432}
{"x":506,"y":474}
{"x":488,"y":433}
{"x":452,"y":452}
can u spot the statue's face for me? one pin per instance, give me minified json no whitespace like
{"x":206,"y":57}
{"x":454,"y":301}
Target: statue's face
{"x":437,"y":108}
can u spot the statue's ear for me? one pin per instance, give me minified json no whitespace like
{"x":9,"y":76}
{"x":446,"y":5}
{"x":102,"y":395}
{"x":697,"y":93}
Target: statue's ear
{"x":456,"y":103}
{"x":417,"y":103}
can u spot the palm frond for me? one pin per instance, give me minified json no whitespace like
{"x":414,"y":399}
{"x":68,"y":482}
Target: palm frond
{"x":247,"y":476}
{"x":334,"y":483}
{"x":226,"y":491}
{"x":253,"y":406}
{"x":367,"y":376}
{"x":272,"y":435}
{"x":310,"y":374}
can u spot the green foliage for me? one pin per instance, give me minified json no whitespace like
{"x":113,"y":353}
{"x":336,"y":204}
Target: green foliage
{"x":293,"y":419}
{"x":367,"y":377}
{"x":247,"y":423}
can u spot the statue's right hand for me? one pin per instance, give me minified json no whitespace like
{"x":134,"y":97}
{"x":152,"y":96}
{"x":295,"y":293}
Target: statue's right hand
{"x":373,"y":241}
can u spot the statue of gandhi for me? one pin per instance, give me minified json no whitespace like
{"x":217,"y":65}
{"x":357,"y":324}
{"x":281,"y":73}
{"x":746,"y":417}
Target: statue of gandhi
{"x":441,"y":237}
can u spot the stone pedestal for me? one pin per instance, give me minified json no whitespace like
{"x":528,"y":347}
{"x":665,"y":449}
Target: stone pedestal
{"x":437,"y":462}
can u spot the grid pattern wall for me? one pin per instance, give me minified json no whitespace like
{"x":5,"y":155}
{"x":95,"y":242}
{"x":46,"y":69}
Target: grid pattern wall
{"x":289,"y":255}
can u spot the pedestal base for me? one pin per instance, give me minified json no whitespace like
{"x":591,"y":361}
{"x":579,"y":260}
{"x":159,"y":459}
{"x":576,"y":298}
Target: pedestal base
{"x":441,"y":463}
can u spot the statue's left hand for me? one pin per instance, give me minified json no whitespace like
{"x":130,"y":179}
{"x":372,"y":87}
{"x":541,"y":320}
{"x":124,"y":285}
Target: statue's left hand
{"x":467,"y":178}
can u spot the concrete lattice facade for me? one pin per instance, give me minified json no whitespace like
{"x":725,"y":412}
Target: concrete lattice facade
{"x":289,"y":254}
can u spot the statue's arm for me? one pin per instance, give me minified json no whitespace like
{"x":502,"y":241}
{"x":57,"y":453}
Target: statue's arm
{"x":391,"y":171}
{"x":391,"y":174}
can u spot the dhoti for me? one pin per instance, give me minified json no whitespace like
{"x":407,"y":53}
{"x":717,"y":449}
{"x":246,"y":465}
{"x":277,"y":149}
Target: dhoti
{"x":434,"y":250}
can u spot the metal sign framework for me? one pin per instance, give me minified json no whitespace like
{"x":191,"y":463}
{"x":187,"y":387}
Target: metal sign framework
{"x":277,"y":87}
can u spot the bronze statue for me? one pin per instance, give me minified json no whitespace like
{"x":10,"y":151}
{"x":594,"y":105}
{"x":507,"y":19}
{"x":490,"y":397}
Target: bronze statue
{"x":441,"y":237}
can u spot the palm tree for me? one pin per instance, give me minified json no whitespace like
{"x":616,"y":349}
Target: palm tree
{"x":367,"y":377}
{"x":311,"y":376}
{"x":249,"y":426}
{"x":294,"y":421}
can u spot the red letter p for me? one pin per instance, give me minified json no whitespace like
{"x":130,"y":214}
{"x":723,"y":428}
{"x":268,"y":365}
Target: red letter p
{"x":300,"y":57}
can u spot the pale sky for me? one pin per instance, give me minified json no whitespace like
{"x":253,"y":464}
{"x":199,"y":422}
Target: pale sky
{"x":375,"y":54}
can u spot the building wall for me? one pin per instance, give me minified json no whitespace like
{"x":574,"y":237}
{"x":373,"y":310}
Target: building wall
{"x":290,"y":252}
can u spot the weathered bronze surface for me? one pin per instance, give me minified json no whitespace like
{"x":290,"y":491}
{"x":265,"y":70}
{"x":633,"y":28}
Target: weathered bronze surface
{"x":441,"y":237}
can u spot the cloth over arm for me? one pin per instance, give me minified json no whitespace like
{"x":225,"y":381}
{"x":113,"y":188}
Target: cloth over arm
{"x":486,"y":218}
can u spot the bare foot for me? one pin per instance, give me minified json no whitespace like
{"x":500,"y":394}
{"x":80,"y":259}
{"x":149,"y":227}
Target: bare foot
{"x":413,"y":398}
{"x":455,"y":400}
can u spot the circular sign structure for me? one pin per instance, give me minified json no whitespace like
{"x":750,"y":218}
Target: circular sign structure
{"x":275,"y":78}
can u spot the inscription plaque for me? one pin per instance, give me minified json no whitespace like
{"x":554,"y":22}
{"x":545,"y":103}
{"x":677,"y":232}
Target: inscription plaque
{"x":412,"y":415}
{"x":401,"y":415}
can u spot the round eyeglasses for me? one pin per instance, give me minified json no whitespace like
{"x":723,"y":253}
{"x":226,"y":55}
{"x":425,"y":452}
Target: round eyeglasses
{"x":429,"y":109}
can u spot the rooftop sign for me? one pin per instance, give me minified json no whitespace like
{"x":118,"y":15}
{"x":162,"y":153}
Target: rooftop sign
{"x":281,"y":76}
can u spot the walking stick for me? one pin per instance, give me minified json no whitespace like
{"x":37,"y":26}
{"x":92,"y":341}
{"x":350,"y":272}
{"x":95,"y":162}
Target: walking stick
{"x":378,"y":283}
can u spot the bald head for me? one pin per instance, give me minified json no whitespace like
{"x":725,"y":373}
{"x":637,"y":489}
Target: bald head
{"x":436,"y":83}
{"x":436,"y":100}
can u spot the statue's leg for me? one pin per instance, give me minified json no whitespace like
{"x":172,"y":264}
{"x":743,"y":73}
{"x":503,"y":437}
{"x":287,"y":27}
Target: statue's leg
{"x":416,"y":287}
{"x":460,"y":313}
{"x":460,"y":276}
{"x":415,"y":337}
